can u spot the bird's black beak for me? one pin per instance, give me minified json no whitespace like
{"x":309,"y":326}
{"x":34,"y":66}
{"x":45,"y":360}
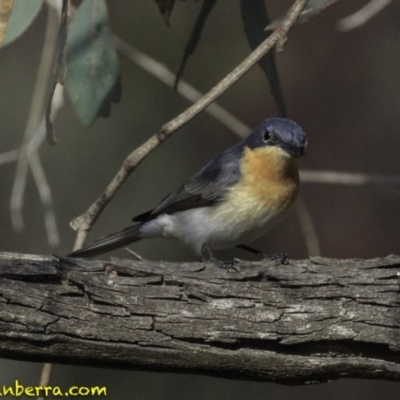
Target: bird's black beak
{"x":296,"y":151}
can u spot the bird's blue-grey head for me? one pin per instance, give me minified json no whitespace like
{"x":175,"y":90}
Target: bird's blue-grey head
{"x":280,"y":132}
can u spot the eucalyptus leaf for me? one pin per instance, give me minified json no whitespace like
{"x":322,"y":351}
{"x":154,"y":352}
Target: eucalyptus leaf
{"x":92,"y":79}
{"x":23,"y":14}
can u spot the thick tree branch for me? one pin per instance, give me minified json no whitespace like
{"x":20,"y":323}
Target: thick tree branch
{"x":310,"y":321}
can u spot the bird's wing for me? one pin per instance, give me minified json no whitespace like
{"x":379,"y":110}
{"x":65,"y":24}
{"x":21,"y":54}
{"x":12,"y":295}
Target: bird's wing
{"x":206,"y":188}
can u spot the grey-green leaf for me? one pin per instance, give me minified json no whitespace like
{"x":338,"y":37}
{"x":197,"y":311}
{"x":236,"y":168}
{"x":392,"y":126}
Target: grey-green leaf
{"x":22,"y":15}
{"x":92,"y":79}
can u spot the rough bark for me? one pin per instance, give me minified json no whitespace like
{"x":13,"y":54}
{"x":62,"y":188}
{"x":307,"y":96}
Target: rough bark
{"x":309,"y":321}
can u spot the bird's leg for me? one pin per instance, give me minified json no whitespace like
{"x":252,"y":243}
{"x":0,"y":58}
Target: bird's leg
{"x":281,"y":258}
{"x":212,"y":259}
{"x":205,"y":250}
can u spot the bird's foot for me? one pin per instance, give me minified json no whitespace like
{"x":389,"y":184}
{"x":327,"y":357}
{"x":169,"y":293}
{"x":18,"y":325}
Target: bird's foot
{"x":280,"y":258}
{"x":227,"y":265}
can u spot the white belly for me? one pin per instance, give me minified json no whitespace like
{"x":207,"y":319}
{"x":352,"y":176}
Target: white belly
{"x":221,"y":226}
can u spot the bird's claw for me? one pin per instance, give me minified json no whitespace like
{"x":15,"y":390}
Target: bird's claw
{"x":226,"y":265}
{"x":280,"y":258}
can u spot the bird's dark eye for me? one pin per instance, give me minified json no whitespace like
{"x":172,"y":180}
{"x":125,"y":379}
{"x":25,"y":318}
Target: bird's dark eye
{"x":267,"y":135}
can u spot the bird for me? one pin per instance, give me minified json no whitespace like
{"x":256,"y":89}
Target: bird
{"x":236,"y":197}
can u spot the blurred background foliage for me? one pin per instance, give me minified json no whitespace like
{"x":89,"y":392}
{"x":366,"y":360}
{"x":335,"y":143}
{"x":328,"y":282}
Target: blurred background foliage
{"x":342,"y":88}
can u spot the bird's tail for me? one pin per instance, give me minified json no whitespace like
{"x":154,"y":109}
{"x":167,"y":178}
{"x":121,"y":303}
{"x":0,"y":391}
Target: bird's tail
{"x":108,"y":243}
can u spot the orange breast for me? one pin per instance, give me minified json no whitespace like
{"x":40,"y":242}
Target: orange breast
{"x":271,"y":176}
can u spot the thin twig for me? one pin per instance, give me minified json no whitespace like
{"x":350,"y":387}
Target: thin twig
{"x":308,"y":228}
{"x":79,"y":240}
{"x":134,"y":254}
{"x":85,"y":221}
{"x":363,"y":15}
{"x":46,"y":198}
{"x":34,"y":119}
{"x":348,"y":178}
{"x":45,"y":377}
{"x":31,"y":153}
{"x":9,"y":157}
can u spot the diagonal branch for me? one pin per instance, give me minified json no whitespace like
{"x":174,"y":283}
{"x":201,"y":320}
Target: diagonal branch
{"x":84,"y":222}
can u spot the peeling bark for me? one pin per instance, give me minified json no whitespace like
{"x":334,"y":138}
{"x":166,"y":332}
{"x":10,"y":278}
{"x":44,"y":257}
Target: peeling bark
{"x":309,"y":321}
